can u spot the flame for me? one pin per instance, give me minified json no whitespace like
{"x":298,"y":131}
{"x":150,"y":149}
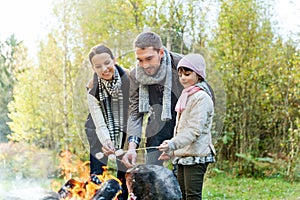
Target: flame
{"x":76,"y":188}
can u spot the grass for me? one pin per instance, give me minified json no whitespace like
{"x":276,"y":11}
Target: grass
{"x":223,"y":186}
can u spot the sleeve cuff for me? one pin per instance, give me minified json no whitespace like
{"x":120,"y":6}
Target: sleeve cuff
{"x":134,"y":139}
{"x":171,"y":145}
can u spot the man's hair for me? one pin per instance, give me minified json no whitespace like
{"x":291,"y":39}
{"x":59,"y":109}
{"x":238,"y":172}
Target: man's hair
{"x":148,"y":39}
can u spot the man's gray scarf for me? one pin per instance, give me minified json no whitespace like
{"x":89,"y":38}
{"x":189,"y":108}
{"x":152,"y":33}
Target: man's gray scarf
{"x":164,"y":73}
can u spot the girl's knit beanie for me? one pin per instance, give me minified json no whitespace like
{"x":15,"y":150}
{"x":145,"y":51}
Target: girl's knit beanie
{"x":194,"y":62}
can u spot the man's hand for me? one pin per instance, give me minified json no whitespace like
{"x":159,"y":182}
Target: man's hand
{"x":129,"y":159}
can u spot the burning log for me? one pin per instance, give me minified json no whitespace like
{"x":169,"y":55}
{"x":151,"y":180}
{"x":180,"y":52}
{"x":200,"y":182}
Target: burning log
{"x":153,"y":182}
{"x":109,"y":190}
{"x":98,"y":187}
{"x":64,"y":190}
{"x":74,"y":188}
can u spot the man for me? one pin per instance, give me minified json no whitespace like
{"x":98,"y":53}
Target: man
{"x":154,"y":89}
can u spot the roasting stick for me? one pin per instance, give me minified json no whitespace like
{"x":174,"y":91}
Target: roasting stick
{"x":120,"y":152}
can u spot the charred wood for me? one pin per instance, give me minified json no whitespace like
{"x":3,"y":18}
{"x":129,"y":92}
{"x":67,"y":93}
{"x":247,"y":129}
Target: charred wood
{"x":108,"y":190}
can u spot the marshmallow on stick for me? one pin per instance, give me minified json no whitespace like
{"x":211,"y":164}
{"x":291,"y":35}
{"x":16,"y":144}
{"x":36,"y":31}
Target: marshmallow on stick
{"x":112,"y":157}
{"x":99,"y":155}
{"x":119,"y":152}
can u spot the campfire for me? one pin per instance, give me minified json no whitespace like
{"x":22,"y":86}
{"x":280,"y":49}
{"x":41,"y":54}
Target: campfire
{"x":98,"y":187}
{"x":144,"y":182}
{"x":84,"y":186}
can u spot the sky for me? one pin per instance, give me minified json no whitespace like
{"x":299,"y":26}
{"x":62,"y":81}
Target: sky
{"x":288,"y":15}
{"x":29,"y":19}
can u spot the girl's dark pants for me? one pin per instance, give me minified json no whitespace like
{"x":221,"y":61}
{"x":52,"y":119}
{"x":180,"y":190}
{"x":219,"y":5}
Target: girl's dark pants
{"x":190,"y":178}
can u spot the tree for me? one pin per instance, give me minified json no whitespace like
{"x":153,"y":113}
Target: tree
{"x":7,"y":80}
{"x":257,"y":71}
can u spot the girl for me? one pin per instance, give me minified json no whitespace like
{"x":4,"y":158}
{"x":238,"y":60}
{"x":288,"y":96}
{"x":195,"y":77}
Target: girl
{"x":191,"y":145}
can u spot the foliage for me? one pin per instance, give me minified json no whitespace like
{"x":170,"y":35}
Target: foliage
{"x":22,"y":160}
{"x":46,"y":116}
{"x":260,"y":83}
{"x":254,"y":73}
{"x":7,"y":80}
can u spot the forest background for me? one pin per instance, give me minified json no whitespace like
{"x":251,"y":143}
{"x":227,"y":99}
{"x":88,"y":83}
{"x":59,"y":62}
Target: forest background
{"x":254,"y":71}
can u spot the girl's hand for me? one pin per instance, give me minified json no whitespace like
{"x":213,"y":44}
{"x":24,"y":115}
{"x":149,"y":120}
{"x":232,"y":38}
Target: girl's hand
{"x":164,"y":146}
{"x":164,"y":156}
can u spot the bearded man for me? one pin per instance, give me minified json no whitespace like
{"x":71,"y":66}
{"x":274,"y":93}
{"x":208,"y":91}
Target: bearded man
{"x":154,"y":89}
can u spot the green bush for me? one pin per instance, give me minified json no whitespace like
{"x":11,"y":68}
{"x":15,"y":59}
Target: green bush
{"x":25,"y":161}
